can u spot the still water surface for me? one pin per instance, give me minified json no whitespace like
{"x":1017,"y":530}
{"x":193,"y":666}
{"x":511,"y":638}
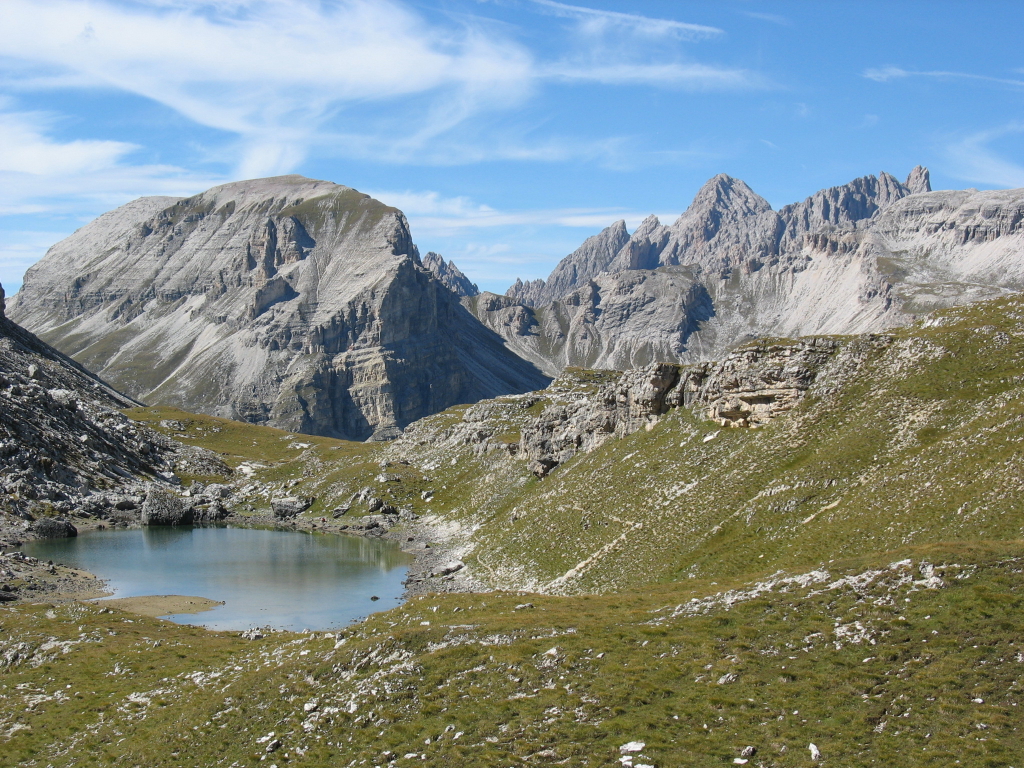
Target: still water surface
{"x":284,"y":579}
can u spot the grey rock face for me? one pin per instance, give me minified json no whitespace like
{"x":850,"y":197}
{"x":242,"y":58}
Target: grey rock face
{"x":919,"y":181}
{"x":584,"y":409}
{"x":291,"y":302}
{"x":660,"y":308}
{"x":449,"y":275}
{"x":63,"y":442}
{"x":856,"y":258}
{"x":746,"y":389}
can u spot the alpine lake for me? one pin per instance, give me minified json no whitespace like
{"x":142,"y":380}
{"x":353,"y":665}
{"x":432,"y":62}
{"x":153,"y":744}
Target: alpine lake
{"x":249,"y":577}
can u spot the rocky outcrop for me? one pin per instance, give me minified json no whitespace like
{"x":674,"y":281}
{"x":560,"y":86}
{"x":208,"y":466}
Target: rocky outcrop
{"x":296,"y":303}
{"x":856,"y":258}
{"x":165,"y":508}
{"x":581,"y":410}
{"x":451,"y":277}
{"x":746,"y":389}
{"x":65,"y":447}
{"x":54,"y":528}
{"x":290,"y":506}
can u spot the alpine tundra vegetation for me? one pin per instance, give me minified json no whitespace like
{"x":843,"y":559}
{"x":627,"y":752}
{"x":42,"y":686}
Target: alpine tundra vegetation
{"x":807,"y":552}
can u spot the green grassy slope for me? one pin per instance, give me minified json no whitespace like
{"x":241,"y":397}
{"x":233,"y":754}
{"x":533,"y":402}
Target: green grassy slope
{"x":912,"y":659}
{"x":911,"y":438}
{"x":850,"y":575}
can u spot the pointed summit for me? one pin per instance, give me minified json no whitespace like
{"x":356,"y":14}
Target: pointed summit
{"x":450,"y":276}
{"x":723,"y":192}
{"x":919,"y":181}
{"x":586,"y":262}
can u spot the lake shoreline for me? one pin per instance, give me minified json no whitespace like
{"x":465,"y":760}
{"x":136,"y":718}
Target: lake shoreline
{"x":431,"y":570}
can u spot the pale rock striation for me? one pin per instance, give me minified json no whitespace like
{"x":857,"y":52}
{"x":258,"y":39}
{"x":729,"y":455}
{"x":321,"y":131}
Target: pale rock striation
{"x":857,"y":258}
{"x":295,"y":303}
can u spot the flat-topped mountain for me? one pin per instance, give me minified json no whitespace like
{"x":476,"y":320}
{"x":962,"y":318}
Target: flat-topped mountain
{"x":286,"y":301}
{"x":856,"y":258}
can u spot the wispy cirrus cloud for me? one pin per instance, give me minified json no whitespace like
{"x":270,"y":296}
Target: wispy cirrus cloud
{"x":973,"y":158}
{"x":884,"y":74}
{"x":687,"y":75}
{"x":273,"y":72}
{"x":38,"y":172}
{"x":598,"y":21}
{"x":772,"y":18}
{"x":615,"y":48}
{"x":287,"y":76}
{"x":431,"y":213}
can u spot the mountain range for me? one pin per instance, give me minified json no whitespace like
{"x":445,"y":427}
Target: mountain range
{"x":805,"y":552}
{"x":305,"y":305}
{"x":861,"y":257}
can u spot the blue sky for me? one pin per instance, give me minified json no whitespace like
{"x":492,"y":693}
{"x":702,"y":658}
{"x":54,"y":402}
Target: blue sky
{"x":507,"y":130}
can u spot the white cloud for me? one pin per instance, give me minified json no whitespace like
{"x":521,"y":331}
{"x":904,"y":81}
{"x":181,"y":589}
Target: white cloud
{"x":598,"y":21}
{"x":39,"y":173}
{"x":701,"y":76}
{"x":885,"y":74}
{"x":271,"y":71}
{"x":974,"y":160}
{"x":774,"y":18}
{"x":24,"y":149}
{"x":350,"y":78}
{"x":431,"y":214}
{"x":19,"y":251}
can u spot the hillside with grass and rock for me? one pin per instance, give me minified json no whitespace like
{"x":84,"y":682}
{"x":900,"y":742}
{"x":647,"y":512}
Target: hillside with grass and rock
{"x":807,"y":550}
{"x":808,"y":553}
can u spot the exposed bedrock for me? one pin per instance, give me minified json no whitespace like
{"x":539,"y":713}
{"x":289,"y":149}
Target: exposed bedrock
{"x":290,"y":302}
{"x":857,"y":258}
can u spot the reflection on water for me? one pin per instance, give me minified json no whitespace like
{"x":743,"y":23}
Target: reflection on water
{"x":285,"y":579}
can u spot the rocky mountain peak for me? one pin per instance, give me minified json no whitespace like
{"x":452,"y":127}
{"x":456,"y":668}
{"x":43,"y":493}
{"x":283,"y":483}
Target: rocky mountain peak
{"x":861,"y":256}
{"x":919,"y":181}
{"x":722,"y":193}
{"x":284,"y":301}
{"x":531,"y":292}
{"x":3,"y":303}
{"x":585,"y":263}
{"x":450,"y":276}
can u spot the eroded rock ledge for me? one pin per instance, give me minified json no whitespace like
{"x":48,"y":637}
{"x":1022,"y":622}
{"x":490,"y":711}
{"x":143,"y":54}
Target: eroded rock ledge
{"x":747,"y":389}
{"x":582,"y":409}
